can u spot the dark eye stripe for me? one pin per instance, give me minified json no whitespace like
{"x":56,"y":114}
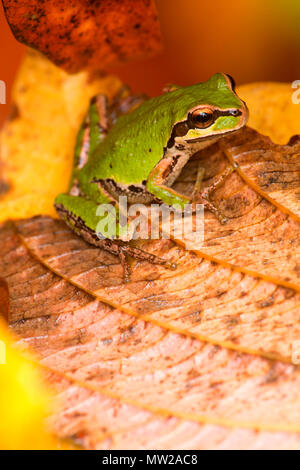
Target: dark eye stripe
{"x":181,"y":128}
{"x":216,"y":114}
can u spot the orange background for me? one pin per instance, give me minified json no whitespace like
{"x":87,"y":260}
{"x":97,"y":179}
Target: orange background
{"x":250,"y":39}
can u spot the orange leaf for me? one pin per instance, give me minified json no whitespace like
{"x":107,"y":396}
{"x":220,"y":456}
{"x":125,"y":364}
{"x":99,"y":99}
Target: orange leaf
{"x":84,"y":34}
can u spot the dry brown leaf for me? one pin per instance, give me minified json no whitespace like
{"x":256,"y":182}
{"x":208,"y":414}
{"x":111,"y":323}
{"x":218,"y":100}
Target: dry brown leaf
{"x":200,"y":299}
{"x":119,"y":378}
{"x":4,"y":300}
{"x":97,"y":421}
{"x":84,"y":34}
{"x":270,"y":169}
{"x":260,"y":238}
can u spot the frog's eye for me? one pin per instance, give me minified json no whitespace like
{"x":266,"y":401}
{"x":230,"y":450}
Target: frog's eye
{"x":202,"y":118}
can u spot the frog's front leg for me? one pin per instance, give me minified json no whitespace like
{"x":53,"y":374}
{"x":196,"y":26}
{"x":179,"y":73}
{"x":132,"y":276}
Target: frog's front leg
{"x":156,"y":186}
{"x":80,"y":214}
{"x":198,"y":182}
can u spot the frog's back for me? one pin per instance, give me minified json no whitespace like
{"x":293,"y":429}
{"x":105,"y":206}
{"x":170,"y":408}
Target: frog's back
{"x":136,"y":143}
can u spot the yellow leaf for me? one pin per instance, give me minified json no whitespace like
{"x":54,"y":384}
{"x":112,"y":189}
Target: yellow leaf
{"x":272,"y":111}
{"x":23,"y":401}
{"x":37,"y":143}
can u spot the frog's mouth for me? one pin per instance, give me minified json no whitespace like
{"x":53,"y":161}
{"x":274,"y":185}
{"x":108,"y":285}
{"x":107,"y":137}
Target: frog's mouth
{"x":213,"y":137}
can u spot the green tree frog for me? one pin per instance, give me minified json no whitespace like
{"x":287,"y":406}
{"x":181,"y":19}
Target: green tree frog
{"x":139,"y":154}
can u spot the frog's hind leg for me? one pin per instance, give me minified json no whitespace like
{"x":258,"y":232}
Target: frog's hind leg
{"x":80,"y":215}
{"x":123,"y":103}
{"x":125,"y":250}
{"x":99,"y":119}
{"x":93,"y":130}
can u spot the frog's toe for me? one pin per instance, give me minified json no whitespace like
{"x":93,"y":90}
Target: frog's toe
{"x":125,"y":265}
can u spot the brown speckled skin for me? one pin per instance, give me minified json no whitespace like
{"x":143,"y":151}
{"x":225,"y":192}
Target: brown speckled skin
{"x":77,"y":34}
